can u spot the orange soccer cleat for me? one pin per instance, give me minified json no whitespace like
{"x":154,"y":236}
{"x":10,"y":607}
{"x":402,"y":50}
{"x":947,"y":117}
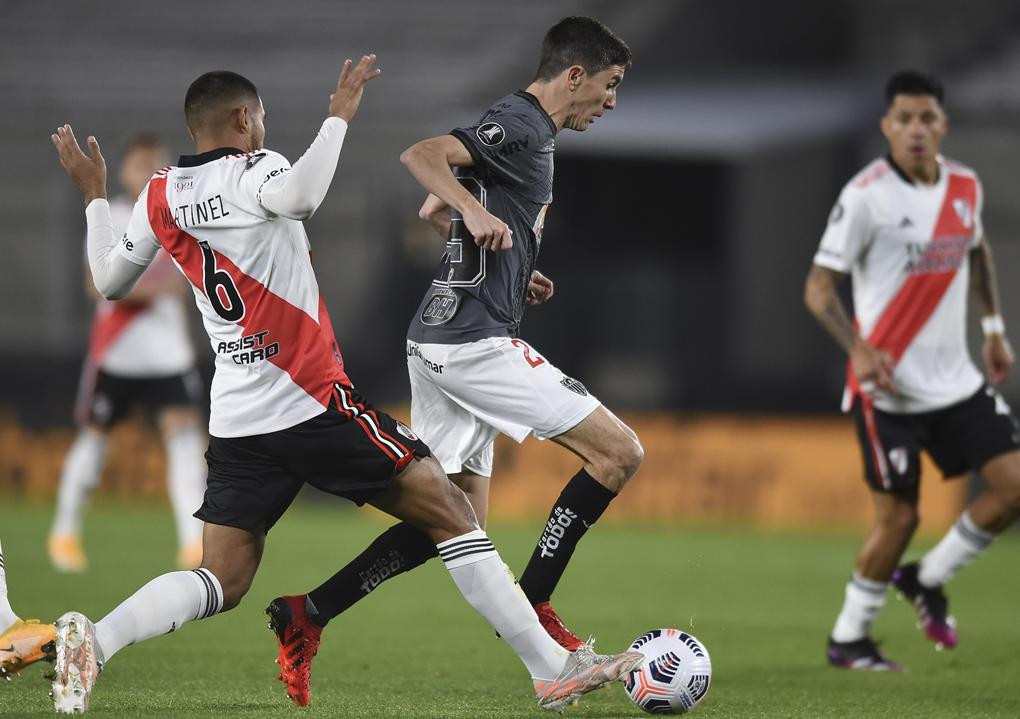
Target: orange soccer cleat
{"x":24,"y":643}
{"x":66,"y":553}
{"x":298,"y":641}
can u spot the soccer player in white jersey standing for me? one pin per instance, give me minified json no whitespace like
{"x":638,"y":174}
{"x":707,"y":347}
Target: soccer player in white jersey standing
{"x":283,"y":411}
{"x":140,"y":354}
{"x":472,"y":377}
{"x":908,"y":230}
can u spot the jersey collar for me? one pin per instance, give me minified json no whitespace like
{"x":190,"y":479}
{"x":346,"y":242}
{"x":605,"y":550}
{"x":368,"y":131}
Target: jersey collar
{"x":905,"y":177}
{"x":196,"y":160}
{"x":525,"y":95}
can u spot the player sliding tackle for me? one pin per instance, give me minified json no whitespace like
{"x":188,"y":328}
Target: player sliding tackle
{"x":281,"y":420}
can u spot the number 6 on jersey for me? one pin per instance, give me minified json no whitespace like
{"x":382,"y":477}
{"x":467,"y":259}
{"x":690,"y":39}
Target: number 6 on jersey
{"x":229,"y":304}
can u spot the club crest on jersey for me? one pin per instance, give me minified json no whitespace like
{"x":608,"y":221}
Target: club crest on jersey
{"x":491,"y":133}
{"x":964,"y":212}
{"x":898,"y":459}
{"x":574,"y":385}
{"x":406,"y":431}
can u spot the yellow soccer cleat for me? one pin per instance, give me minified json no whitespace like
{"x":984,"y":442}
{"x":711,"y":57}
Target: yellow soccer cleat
{"x":66,"y":553}
{"x":190,"y":555}
{"x":26,"y":642}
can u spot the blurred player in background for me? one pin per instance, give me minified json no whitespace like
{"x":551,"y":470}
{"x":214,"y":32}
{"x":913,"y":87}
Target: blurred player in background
{"x":908,"y":230}
{"x":283,"y":409}
{"x":472,"y":378}
{"x":140,"y":355}
{"x":22,"y":641}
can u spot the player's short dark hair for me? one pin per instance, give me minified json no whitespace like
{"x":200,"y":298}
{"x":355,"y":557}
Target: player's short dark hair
{"x":911,"y":82}
{"x":213,"y":90}
{"x":580,"y":41}
{"x":143,"y":141}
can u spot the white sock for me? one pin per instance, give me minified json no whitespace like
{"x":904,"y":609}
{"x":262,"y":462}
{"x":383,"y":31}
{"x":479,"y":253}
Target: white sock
{"x":163,"y":605}
{"x":864,"y":598}
{"x":7,"y":615}
{"x":489,"y":587}
{"x":962,"y":544}
{"x":80,"y":475}
{"x":186,"y":481}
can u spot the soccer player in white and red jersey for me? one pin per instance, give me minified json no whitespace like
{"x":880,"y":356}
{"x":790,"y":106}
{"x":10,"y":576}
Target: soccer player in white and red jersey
{"x":139,"y":354}
{"x":908,"y":231}
{"x":283,"y":410}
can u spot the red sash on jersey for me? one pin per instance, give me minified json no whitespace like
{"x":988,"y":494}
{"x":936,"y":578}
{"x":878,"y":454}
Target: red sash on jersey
{"x":909,"y":310}
{"x":109,"y":324}
{"x":912,"y":307}
{"x":308,"y":351}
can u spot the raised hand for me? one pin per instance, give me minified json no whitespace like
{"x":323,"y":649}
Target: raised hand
{"x":88,"y":173}
{"x":540,"y":288}
{"x":344,"y":102}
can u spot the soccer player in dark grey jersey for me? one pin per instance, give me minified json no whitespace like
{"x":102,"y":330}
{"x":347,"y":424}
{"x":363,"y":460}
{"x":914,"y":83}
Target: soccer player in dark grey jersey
{"x":479,"y":293}
{"x":472,"y":377}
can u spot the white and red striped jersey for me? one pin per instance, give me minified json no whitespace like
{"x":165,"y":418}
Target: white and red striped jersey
{"x":276,"y":357}
{"x":906,"y":247}
{"x":141,"y":339}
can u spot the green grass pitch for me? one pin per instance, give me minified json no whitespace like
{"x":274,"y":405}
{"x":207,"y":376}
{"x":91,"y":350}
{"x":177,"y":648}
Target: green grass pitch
{"x":762,"y":602}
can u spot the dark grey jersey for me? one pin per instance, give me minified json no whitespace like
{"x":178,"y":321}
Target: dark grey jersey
{"x":478,"y":293}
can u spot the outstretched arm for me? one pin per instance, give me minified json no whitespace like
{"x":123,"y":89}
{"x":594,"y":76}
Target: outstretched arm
{"x":996,"y":352}
{"x":871,"y":365}
{"x":113,"y":274}
{"x":297,"y":193}
{"x":430,"y":162}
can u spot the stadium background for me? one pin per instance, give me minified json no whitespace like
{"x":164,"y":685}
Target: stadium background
{"x":682,"y":230}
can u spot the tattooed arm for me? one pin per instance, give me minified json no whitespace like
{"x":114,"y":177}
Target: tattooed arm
{"x":996,"y":352}
{"x":873,"y":367}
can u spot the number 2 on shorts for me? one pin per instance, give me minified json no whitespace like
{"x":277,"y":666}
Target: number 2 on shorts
{"x":533,"y":361}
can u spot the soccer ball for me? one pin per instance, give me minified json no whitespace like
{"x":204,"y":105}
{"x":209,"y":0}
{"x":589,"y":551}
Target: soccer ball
{"x":675,"y":674}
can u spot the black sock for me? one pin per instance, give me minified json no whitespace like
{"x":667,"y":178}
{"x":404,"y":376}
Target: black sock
{"x":580,"y":503}
{"x":397,"y":550}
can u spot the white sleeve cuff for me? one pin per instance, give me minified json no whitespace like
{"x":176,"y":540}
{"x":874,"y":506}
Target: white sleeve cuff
{"x":97,"y":213}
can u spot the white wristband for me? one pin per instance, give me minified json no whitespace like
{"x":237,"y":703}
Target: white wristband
{"x":993,"y":325}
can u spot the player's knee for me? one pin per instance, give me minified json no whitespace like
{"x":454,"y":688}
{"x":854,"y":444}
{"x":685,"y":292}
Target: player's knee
{"x":234,"y":584}
{"x":1009,"y":493}
{"x":233,"y":591}
{"x":903,"y":520}
{"x":623,"y":462}
{"x":455,"y":515}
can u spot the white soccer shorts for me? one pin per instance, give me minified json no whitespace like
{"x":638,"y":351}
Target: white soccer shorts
{"x":463,"y":395}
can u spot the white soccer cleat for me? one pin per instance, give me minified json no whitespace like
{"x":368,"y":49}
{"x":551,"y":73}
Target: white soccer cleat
{"x":585,"y":671}
{"x":78,"y":664}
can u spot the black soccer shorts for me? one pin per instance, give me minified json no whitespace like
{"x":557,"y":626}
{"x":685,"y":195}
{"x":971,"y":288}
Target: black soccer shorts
{"x":960,"y":438}
{"x":113,"y":396}
{"x":351,"y":450}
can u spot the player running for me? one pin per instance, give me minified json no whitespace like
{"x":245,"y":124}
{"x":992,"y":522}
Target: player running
{"x":140,"y":353}
{"x":22,"y":641}
{"x":472,"y":378}
{"x":908,"y":230}
{"x":283,"y":410}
